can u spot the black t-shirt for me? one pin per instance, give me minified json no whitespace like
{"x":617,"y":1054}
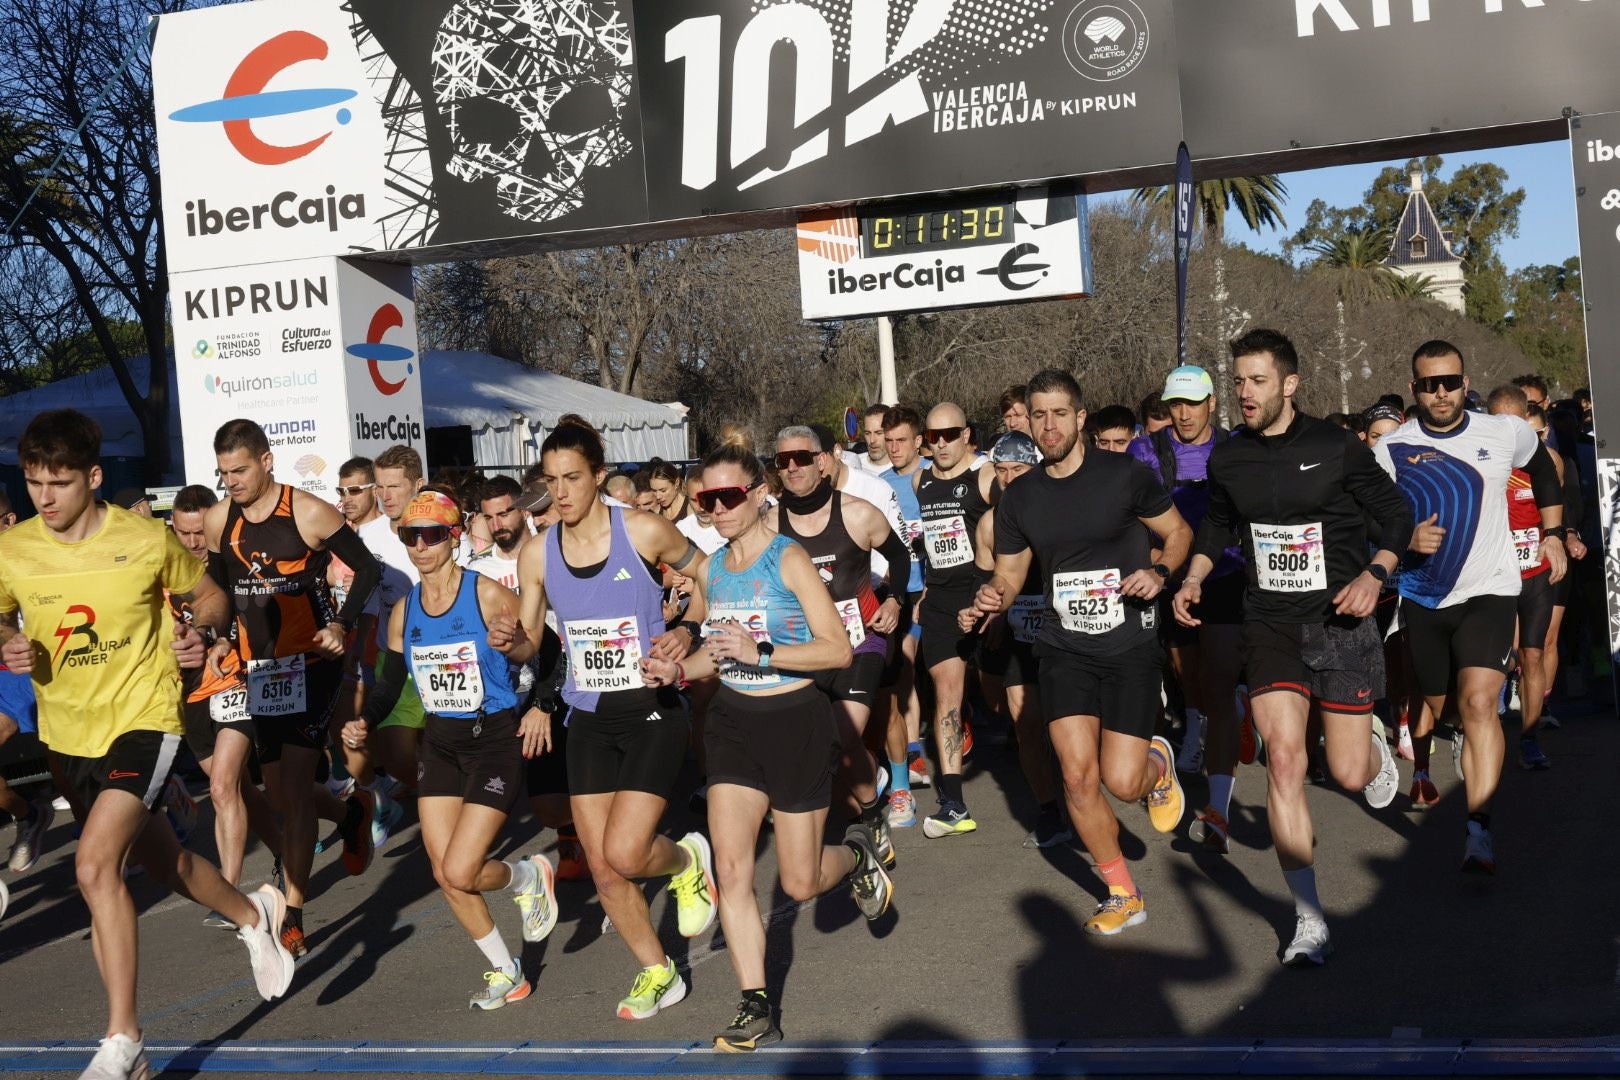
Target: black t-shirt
{"x":951,"y":510}
{"x":1087,"y":537}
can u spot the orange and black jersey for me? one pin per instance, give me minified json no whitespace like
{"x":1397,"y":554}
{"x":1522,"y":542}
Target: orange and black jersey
{"x":277,"y":583}
{"x":199,"y":684}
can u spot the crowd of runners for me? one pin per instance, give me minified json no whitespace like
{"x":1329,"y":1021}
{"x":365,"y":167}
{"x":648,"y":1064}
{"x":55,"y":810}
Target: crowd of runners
{"x":1130,"y":596}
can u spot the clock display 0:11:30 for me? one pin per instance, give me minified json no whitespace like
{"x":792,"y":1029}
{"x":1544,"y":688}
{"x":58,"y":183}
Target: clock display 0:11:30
{"x":964,"y":226}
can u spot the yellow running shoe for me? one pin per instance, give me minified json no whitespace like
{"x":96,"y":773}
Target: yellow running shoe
{"x":1165,"y":801}
{"x":693,"y":887}
{"x":1117,"y":912}
{"x":657,"y":987}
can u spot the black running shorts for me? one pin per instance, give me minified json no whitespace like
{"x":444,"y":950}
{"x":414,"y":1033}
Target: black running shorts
{"x":1475,"y":633}
{"x":138,"y":762}
{"x":1535,"y":610}
{"x":629,"y":749}
{"x":476,"y":761}
{"x":548,"y":773}
{"x":785,"y":745}
{"x":1122,"y":690}
{"x":204,"y":720}
{"x":942,"y":637}
{"x":858,"y":682}
{"x":1338,"y":664}
{"x":306,"y":730}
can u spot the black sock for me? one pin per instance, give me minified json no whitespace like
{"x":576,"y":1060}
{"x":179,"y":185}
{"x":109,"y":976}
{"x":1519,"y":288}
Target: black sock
{"x":568,"y":832}
{"x":1483,"y":818}
{"x":354,"y":816}
{"x":950,"y":787}
{"x":295,"y":917}
{"x":757,"y":999}
{"x":1049,"y":807}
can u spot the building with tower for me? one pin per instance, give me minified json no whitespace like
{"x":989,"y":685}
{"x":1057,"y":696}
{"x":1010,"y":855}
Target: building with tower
{"x":1422,"y":248}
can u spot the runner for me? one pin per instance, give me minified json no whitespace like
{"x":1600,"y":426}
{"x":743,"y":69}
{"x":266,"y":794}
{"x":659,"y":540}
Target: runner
{"x":1014,"y":409}
{"x":908,"y":768}
{"x":626,"y":739}
{"x":1574,"y":510}
{"x":669,"y":488}
{"x":876,"y":459}
{"x":463,"y":635}
{"x":951,"y":498}
{"x":1097,"y":648}
{"x":1296,"y":491}
{"x":1206,"y":661}
{"x":772,"y":740}
{"x":394,"y":744}
{"x":840,"y":534}
{"x":19,"y":715}
{"x":87,"y":579}
{"x":267,"y":546}
{"x":1112,"y":429}
{"x":1459,"y":600}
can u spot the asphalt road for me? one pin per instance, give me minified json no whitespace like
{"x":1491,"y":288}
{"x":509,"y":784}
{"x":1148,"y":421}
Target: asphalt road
{"x":985,"y":941}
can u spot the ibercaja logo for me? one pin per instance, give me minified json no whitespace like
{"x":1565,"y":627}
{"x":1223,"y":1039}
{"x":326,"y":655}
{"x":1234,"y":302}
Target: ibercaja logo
{"x":376,"y":352}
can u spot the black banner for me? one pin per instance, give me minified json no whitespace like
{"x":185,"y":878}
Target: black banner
{"x":1594,"y":143}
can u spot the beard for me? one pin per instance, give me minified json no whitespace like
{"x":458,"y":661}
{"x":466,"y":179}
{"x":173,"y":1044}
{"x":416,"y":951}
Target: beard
{"x":1063,"y":450}
{"x":1437,"y":418}
{"x":505,"y":539}
{"x":1265,"y":414}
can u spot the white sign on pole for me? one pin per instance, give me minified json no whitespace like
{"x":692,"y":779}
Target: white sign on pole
{"x":933,"y":254}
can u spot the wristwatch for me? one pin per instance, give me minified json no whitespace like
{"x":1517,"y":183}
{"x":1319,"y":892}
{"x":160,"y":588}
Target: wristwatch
{"x":1162,"y":570}
{"x":765,"y":651}
{"x":1377,"y":570}
{"x":1559,"y":531}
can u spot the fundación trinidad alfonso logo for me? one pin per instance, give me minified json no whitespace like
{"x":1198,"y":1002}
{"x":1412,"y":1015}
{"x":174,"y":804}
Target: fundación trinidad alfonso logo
{"x":246,"y":99}
{"x":374,"y":351}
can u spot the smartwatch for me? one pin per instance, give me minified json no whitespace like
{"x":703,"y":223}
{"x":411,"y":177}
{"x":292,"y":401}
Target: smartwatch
{"x":765,"y":651}
{"x":1559,"y":531}
{"x":1162,"y":570}
{"x":1377,"y":570}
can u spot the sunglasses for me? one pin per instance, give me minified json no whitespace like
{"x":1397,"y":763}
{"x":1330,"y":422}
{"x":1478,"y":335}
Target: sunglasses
{"x":1433,"y":384}
{"x":358,"y":489}
{"x":728,"y":497}
{"x":942,"y":434}
{"x":431,"y":535}
{"x":800,"y":458}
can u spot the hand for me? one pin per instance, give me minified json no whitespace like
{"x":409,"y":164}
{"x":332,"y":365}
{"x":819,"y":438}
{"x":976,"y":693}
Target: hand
{"x":990,"y":599}
{"x":1190,"y":594}
{"x":216,"y":658}
{"x":1427,"y":536}
{"x":1359,"y":598}
{"x":729,"y":641}
{"x":1142,"y":585}
{"x":329,"y":640}
{"x":1575,"y":546}
{"x":188,"y":645}
{"x":968,"y":618}
{"x":354,"y":734}
{"x":657,"y":672}
{"x":18,"y":653}
{"x":673,"y":645}
{"x":506,"y":633}
{"x":1552,"y":551}
{"x":534,"y":731}
{"x":887,"y":617}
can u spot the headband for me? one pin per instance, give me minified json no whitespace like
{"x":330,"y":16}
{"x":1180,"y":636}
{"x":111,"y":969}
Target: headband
{"x":435,"y":506}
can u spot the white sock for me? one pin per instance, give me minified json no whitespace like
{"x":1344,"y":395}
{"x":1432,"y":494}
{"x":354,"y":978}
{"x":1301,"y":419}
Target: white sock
{"x":523,"y":875}
{"x":1195,"y":728}
{"x":496,"y":952}
{"x":1220,"y":792}
{"x":1302,"y":883}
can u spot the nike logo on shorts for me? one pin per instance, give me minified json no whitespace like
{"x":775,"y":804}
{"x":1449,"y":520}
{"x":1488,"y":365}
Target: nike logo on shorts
{"x":1308,"y":468}
{"x":122,"y":774}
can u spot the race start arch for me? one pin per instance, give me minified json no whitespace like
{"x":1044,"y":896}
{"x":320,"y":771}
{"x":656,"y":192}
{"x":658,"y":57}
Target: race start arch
{"x":311,"y":150}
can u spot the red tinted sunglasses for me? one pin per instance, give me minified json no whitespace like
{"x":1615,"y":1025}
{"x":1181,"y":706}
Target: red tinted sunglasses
{"x":431,"y":535}
{"x":728,"y":497}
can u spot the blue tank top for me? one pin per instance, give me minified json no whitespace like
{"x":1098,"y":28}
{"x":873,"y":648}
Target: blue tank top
{"x":607,"y":619}
{"x":911,"y":514}
{"x":757,"y":598}
{"x":457,"y":672}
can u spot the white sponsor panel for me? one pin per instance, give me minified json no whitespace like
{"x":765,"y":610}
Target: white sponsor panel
{"x":382,"y":369}
{"x":270,"y":142}
{"x":929,"y":255}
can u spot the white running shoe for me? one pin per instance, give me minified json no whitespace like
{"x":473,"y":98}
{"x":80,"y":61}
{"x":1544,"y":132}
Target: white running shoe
{"x":31,"y":838}
{"x":272,"y":963}
{"x":1380,"y":790}
{"x":341,"y":787}
{"x":1479,"y":854}
{"x":538,"y":902}
{"x":61,"y":805}
{"x":119,"y":1058}
{"x":1311,"y":944}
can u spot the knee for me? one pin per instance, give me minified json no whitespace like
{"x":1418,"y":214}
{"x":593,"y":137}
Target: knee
{"x":1123,"y":781}
{"x":95,"y":876}
{"x":736,"y":874}
{"x":1352,"y":776}
{"x":456,"y":878}
{"x":626,"y":858}
{"x":1285,"y":763}
{"x":1081,"y":783}
{"x":224,"y":791}
{"x":1477,"y":705}
{"x":799,"y":888}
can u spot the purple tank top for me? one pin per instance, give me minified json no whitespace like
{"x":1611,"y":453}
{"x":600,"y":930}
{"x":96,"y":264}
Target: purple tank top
{"x":607,"y":621}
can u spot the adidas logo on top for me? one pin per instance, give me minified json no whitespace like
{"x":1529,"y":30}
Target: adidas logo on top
{"x":622,"y":575}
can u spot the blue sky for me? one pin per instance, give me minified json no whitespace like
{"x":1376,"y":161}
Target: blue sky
{"x":1547,"y":220}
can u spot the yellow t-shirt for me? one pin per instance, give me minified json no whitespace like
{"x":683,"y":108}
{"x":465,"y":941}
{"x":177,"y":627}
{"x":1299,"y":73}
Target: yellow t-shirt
{"x":96,"y":613}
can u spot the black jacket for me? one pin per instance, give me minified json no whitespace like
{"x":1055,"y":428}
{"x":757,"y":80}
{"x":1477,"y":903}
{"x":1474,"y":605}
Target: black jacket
{"x":1314,"y":472}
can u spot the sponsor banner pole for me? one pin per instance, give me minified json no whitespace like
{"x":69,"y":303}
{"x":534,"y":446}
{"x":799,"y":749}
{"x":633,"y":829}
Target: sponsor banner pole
{"x":1184,"y":216}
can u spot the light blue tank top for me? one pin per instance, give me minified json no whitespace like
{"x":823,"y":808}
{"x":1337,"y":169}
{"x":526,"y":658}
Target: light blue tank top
{"x":457,"y":672}
{"x":757,"y":598}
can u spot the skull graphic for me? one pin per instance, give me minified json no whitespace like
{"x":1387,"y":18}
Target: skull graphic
{"x":534,"y":93}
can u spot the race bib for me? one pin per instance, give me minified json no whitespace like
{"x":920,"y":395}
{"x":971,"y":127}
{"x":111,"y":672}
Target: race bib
{"x":1025,"y":617}
{"x":1527,"y":547}
{"x":276,"y":686}
{"x":229,"y":706}
{"x":742,"y":675}
{"x":448,"y":677}
{"x":914,"y":529}
{"x":1089,"y":602}
{"x":947,"y":542}
{"x":1289,"y":558}
{"x":849,"y":611}
{"x":605,"y":654}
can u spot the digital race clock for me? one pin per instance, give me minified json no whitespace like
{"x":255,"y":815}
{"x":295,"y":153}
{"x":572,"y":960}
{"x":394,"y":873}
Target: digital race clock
{"x":956,"y":224}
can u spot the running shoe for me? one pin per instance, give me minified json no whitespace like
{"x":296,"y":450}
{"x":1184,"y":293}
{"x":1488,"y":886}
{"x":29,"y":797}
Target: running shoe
{"x":500,"y":988}
{"x":1165,"y":802}
{"x":1211,"y":830}
{"x":1051,"y":829}
{"x":656,"y":988}
{"x":952,"y":819}
{"x":1530,"y":755}
{"x":881,"y":837}
{"x":180,"y":808}
{"x":1548,"y":720}
{"x":385,"y":818}
{"x":881,"y":783}
{"x":61,"y":805}
{"x":693,"y":888}
{"x":536,"y":903}
{"x":1424,"y":793}
{"x":118,"y":1058}
{"x":750,"y":1029}
{"x":902,"y":812}
{"x":1380,"y":790}
{"x":358,"y":849}
{"x":1191,"y":757}
{"x":1311,"y":944}
{"x":215,"y":921}
{"x":292,"y":939}
{"x":266,"y":943}
{"x":868,"y":882}
{"x":1116,"y":913}
{"x":341,"y":787}
{"x":1403,"y":742}
{"x":917,"y":768}
{"x":571,"y":863}
{"x":31,"y":837}
{"x":1479,"y":853}
{"x":967,"y":735}
{"x":1456,"y":753}
{"x":1248,"y":741}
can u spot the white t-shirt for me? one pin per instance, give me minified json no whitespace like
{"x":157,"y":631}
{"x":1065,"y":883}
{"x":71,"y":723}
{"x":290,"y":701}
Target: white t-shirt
{"x":865,"y":485}
{"x":876,"y":468}
{"x":494,"y":565}
{"x":1461,"y":475}
{"x":398,"y":572}
{"x":706,"y":537}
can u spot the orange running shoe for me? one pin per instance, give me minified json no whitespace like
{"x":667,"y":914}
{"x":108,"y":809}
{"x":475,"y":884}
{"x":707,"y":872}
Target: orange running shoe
{"x":571,"y":862}
{"x":292,"y":939}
